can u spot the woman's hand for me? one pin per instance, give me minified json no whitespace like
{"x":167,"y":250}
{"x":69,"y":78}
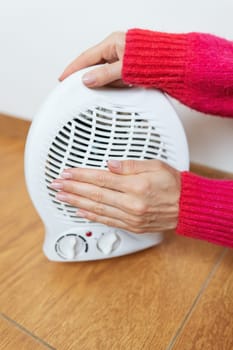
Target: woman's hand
{"x":137,"y":196}
{"x":109,"y":51}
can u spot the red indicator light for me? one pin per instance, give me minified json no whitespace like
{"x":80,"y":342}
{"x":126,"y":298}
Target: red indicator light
{"x":89,"y":234}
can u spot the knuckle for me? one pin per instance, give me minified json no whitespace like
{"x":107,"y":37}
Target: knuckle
{"x":143,"y":186}
{"x":114,"y":34}
{"x":117,"y":38}
{"x":130,"y":165}
{"x":99,"y":209}
{"x":117,"y":35}
{"x":97,"y":196}
{"x":139,"y":208}
{"x":101,"y":179}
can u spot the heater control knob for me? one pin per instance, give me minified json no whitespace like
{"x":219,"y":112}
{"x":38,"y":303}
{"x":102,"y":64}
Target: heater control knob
{"x":108,"y":242}
{"x":70,"y":246}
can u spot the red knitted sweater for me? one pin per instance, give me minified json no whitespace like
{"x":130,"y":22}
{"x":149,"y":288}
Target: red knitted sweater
{"x":196,"y":69}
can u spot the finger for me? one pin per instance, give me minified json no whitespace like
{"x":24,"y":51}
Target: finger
{"x":88,"y":58}
{"x":103,"y":220}
{"x":103,"y":75}
{"x":97,"y":194}
{"x":111,"y":222}
{"x":128,"y":226}
{"x":103,"y":52}
{"x":94,"y":207}
{"x":131,"y":166}
{"x":98,"y":177}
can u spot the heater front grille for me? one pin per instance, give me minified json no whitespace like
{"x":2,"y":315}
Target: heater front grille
{"x":92,"y":137}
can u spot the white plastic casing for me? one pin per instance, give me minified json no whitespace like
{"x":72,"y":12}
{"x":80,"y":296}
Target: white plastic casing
{"x":81,"y":127}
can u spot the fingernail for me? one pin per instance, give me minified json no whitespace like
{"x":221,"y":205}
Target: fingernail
{"x":66,"y":175}
{"x":57,"y":185}
{"x":61,"y":197}
{"x":116,"y":164}
{"x":89,"y":79}
{"x":61,"y":77}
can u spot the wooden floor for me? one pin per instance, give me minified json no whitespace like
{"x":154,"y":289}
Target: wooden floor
{"x":177,"y":296}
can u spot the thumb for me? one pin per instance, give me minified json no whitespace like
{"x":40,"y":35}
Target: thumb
{"x":130,"y":166}
{"x":103,"y":75}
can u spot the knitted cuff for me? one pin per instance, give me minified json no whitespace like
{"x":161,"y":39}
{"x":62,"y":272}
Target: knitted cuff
{"x":206,"y":209}
{"x":155,"y":59}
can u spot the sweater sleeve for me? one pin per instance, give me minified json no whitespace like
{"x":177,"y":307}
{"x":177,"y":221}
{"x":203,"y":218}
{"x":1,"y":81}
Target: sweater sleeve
{"x":194,"y":68}
{"x":206,"y":209}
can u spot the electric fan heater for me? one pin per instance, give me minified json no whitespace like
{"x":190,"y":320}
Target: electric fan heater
{"x":81,"y":127}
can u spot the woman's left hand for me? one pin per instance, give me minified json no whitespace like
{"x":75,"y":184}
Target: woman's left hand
{"x":138,"y":196}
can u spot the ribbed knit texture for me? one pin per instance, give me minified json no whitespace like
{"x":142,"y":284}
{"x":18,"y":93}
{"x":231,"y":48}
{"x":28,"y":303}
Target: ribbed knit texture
{"x":196,"y":69}
{"x":206,"y":209}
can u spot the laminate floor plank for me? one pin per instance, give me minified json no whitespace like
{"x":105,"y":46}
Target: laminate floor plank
{"x":132,"y":302}
{"x":12,"y":338}
{"x":210,"y":325}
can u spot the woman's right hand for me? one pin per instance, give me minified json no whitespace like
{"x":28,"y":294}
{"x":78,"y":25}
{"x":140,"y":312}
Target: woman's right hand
{"x":110,"y":51}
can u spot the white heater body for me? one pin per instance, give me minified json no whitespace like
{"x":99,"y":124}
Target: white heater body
{"x":81,"y":127}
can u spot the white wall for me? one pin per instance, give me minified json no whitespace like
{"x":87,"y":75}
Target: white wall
{"x":38,"y":39}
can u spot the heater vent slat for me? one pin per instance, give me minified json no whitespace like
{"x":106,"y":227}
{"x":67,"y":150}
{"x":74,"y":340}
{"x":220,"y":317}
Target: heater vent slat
{"x":93,"y":136}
